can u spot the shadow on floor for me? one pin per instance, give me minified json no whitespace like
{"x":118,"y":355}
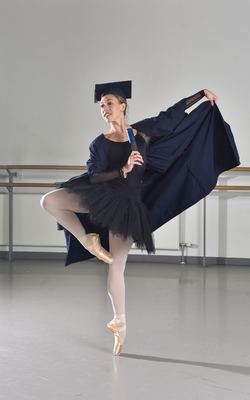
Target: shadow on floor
{"x":231,"y":368}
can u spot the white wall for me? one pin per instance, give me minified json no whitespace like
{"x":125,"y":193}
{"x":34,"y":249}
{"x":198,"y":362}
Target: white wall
{"x":54,"y":51}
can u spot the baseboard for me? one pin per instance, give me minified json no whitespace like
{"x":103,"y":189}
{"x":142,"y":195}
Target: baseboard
{"x":189,"y":259}
{"x":133,"y":257}
{"x":33,"y":255}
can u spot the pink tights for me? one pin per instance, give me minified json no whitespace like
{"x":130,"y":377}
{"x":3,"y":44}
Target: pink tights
{"x":63,"y":206}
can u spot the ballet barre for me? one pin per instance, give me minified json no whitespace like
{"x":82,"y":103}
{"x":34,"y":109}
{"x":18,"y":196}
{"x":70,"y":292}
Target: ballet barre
{"x":220,"y":187}
{"x":10,"y":185}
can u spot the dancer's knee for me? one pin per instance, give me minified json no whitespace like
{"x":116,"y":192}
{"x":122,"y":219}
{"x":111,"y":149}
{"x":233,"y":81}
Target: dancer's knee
{"x":47,"y":201}
{"x":119,"y":265}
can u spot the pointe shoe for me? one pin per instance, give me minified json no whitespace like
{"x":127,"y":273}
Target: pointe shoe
{"x":116,"y":331}
{"x":93,"y":245}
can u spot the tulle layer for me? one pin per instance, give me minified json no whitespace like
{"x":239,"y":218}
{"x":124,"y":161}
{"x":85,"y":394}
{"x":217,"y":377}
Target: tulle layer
{"x":118,"y":208}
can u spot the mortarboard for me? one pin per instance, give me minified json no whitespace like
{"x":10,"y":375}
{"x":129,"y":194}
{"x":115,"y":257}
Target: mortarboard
{"x":122,"y":88}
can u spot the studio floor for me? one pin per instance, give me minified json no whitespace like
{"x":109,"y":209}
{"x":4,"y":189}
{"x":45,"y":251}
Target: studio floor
{"x":188,"y":332}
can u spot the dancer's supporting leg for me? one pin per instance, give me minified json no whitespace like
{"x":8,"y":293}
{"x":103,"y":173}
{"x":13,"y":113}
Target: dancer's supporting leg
{"x":63,"y":206}
{"x":116,"y":287}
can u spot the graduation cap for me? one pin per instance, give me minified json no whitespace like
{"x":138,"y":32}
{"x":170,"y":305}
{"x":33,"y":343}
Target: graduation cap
{"x":122,"y":88}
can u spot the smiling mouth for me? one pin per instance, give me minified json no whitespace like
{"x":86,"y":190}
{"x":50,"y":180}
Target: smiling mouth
{"x":106,"y":115}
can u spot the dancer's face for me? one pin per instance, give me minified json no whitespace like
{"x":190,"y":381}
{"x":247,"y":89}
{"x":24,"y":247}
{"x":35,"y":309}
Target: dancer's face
{"x":111,"y":108}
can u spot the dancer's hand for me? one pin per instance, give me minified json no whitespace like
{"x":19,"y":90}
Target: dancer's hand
{"x":135,"y":158}
{"x":210,"y":96}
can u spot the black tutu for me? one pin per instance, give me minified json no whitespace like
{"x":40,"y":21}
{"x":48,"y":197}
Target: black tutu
{"x":118,"y":208}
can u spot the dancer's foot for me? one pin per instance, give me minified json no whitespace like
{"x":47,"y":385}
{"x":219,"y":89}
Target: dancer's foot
{"x":118,"y":327}
{"x":92,"y":243}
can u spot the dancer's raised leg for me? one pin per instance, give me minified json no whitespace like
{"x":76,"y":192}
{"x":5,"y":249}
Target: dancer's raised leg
{"x":116,"y":288}
{"x":63,"y":206}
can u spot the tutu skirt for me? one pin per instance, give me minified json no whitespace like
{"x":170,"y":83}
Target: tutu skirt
{"x":118,"y":208}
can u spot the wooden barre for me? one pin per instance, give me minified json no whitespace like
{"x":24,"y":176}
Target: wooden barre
{"x":54,"y":185}
{"x":77,"y":167}
{"x":62,"y":167}
{"x":232,"y":188}
{"x":29,"y":184}
{"x":84,"y":168}
{"x":246,"y":169}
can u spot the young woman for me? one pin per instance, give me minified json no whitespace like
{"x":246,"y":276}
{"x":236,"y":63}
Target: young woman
{"x":110,"y":200}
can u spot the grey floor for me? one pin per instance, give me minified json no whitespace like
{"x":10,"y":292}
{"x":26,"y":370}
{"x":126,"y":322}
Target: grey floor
{"x":188,"y":332}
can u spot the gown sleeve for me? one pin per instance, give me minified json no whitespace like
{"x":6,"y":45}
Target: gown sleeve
{"x":98,"y":155}
{"x":101,"y":177}
{"x":97,"y":163}
{"x":190,"y":101}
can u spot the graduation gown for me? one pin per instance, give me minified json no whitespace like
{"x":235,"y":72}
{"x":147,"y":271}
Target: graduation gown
{"x":186,"y":154}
